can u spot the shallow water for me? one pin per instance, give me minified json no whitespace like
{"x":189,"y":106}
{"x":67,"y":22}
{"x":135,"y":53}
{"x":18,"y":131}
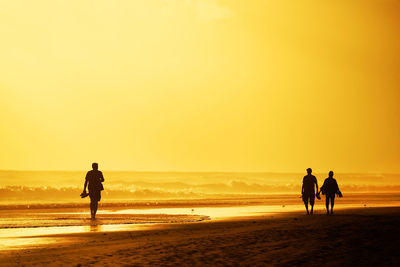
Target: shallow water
{"x":19,"y":238}
{"x":22,"y":237}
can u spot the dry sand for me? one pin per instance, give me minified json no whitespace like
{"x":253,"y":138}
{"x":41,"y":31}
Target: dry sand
{"x":362,"y":237}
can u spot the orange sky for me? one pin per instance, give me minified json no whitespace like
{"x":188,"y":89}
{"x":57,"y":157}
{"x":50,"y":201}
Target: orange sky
{"x":200,"y":85}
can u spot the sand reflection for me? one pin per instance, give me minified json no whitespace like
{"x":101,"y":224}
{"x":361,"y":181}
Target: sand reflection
{"x":19,"y":238}
{"x":95,"y":227}
{"x":22,"y":242}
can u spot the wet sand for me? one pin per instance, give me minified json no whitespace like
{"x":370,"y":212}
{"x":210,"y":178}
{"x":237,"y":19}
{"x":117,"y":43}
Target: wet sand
{"x":351,"y":237}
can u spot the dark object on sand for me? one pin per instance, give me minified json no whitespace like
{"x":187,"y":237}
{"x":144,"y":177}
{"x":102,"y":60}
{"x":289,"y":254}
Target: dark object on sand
{"x":84,"y":194}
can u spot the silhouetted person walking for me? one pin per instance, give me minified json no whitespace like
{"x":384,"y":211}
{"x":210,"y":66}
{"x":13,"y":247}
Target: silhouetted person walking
{"x":94,"y":178}
{"x":307,"y":190}
{"x":329,"y":189}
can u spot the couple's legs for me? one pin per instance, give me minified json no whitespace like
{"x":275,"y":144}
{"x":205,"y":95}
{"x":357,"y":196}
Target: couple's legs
{"x":332,"y":200}
{"x":311,"y":204}
{"x":312,"y":207}
{"x":306,"y":204}
{"x":312,"y":198}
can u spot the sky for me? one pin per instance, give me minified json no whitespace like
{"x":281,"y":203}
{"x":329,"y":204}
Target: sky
{"x":200,"y":85}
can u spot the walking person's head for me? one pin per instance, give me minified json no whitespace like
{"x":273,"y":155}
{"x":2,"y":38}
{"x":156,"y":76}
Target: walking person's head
{"x":95,"y":166}
{"x":309,"y":171}
{"x":331,"y":174}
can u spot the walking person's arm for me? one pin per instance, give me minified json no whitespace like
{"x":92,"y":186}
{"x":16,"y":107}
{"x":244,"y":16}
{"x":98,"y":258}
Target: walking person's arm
{"x":322,"y":189}
{"x":84,"y":187}
{"x":338,"y":190}
{"x":101,"y":177}
{"x":86,"y":183}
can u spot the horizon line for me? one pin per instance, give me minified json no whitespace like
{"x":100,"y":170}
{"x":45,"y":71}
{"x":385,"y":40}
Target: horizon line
{"x":254,"y":172}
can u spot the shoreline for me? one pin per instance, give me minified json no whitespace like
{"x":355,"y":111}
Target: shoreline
{"x":350,"y":236}
{"x":126,"y":215}
{"x":123,"y":215}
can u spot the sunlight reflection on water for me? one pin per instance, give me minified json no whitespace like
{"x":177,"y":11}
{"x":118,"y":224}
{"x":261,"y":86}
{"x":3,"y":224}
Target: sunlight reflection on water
{"x":212,"y":212}
{"x":17,"y":238}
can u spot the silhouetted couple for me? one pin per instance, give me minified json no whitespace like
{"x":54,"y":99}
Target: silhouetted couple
{"x":93,"y":181}
{"x":330,"y":188}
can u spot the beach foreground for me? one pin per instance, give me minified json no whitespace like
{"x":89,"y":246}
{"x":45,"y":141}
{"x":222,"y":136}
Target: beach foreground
{"x":362,"y":237}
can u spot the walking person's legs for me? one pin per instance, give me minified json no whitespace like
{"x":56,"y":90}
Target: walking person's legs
{"x":92,"y":208}
{"x":327,"y":204}
{"x":332,"y":203}
{"x":95,"y":208}
{"x":305,"y":199}
{"x":95,"y":197}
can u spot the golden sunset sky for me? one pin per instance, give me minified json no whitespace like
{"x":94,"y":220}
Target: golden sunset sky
{"x":200,"y":85}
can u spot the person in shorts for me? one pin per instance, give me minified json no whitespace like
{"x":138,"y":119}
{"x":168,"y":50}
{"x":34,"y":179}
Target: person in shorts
{"x":307,"y":190}
{"x":93,"y":182}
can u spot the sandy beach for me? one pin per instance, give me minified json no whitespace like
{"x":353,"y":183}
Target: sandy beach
{"x":199,"y":133}
{"x":350,"y":237}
